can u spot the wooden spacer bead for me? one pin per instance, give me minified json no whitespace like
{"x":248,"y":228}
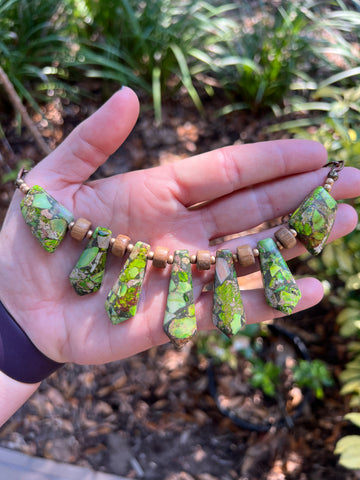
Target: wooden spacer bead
{"x":120,"y":244}
{"x":24,"y":188}
{"x":203,"y":260}
{"x":256,"y":252}
{"x":245,"y":255}
{"x":170,"y":259}
{"x":160,"y":259}
{"x":80,"y":229}
{"x":285,"y":238}
{"x":193,"y":259}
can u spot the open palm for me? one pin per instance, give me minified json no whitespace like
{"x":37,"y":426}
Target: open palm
{"x":241,"y":185}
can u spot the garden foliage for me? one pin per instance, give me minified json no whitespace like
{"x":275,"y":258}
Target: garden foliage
{"x":33,"y":48}
{"x":297,"y":58}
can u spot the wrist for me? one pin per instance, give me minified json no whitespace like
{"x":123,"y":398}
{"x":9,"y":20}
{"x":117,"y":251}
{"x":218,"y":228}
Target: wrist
{"x":13,"y":394}
{"x":20,"y":359}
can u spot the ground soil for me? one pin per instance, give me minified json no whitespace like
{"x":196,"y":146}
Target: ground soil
{"x":152,"y":416}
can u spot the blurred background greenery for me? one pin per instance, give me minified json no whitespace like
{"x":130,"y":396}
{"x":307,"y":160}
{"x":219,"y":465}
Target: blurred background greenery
{"x":298,"y":63}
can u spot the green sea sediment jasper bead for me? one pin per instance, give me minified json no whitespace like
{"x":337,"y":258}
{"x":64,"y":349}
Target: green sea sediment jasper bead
{"x":180,"y":320}
{"x":123,"y":298}
{"x":281,"y":290}
{"x":313,"y":219}
{"x":47,"y":218}
{"x":88,"y":273}
{"x":228,"y":309}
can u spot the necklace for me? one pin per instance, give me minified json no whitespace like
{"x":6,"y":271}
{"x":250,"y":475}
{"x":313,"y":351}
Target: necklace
{"x":310,"y":223}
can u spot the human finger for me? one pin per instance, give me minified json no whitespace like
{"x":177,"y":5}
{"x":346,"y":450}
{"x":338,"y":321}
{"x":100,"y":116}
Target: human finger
{"x":90,"y":143}
{"x":143,"y":333}
{"x":214,"y":174}
{"x":251,"y":207}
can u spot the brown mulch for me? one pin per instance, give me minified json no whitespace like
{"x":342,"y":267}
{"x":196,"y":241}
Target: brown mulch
{"x":152,"y":416}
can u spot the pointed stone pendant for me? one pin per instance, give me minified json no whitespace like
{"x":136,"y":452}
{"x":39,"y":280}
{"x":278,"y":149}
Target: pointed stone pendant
{"x":88,"y":273}
{"x":47,"y":218}
{"x":228,"y":309}
{"x":123,"y":298}
{"x":180,"y":321}
{"x":281,"y":290}
{"x":313,"y":219}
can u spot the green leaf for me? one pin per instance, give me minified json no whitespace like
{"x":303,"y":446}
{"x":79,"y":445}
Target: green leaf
{"x":348,"y":314}
{"x":349,"y":375}
{"x":353,"y":282}
{"x":351,"y":387}
{"x":354,"y":347}
{"x":353,"y":417}
{"x":186,"y":76}
{"x":340,"y":76}
{"x":348,"y":448}
{"x":348,"y":319}
{"x":347,"y":442}
{"x":156,"y":92}
{"x":355,"y":401}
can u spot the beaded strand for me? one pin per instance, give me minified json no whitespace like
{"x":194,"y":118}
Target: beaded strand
{"x":203,"y":259}
{"x":160,"y":256}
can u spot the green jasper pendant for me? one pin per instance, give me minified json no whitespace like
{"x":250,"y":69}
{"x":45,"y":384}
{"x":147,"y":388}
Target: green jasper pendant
{"x":180,"y":320}
{"x":228,"y":309}
{"x":281,"y":290}
{"x":123,"y":298}
{"x":313,"y":219}
{"x":47,"y":218}
{"x":88,"y":273}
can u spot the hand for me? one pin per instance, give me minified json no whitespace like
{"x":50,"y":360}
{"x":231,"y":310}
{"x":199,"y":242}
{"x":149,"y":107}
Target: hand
{"x":246,"y":185}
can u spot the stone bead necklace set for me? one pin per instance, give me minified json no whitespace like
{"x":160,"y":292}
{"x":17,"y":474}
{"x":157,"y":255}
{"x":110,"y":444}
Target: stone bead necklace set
{"x":311,"y":223}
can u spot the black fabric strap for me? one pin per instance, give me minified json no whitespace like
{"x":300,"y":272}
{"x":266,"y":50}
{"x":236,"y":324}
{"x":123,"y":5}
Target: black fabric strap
{"x":19,"y":358}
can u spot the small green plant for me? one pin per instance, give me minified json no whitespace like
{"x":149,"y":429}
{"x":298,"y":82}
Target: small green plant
{"x":154,"y":46}
{"x":349,"y":321}
{"x":339,"y":263}
{"x":222,"y":349}
{"x":265,"y":376}
{"x":268,"y":53}
{"x":334,"y":111}
{"x":312,"y":375}
{"x":337,"y":106}
{"x":218,"y":348}
{"x":279,"y":49}
{"x":348,"y":447}
{"x":33,"y":46}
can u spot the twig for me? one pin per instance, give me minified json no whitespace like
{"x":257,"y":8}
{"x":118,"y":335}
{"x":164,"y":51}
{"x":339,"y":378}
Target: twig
{"x":17,"y":104}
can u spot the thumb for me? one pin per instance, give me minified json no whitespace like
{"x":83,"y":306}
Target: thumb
{"x":91,"y":142}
